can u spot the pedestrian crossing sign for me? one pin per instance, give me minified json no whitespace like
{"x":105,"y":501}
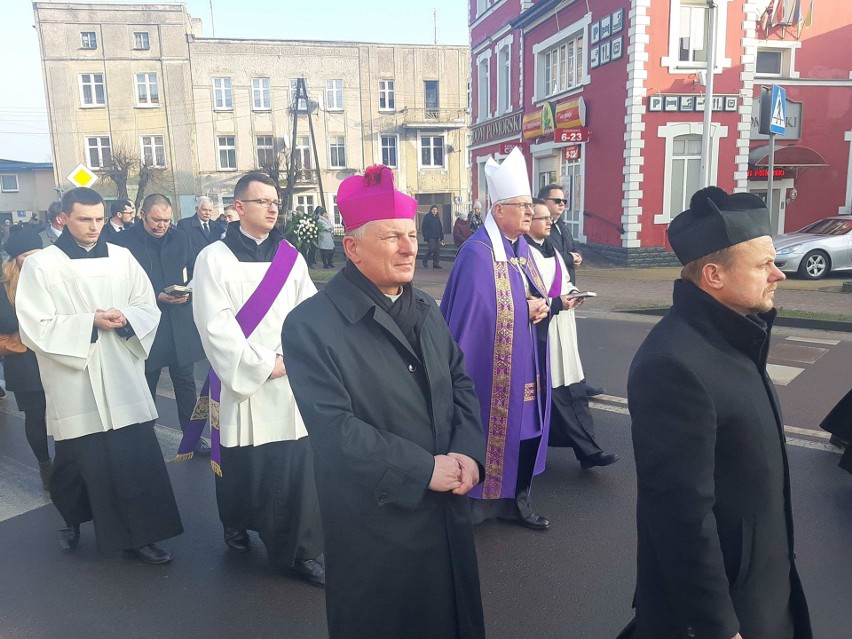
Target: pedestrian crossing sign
{"x":82,"y":176}
{"x":778,"y":117}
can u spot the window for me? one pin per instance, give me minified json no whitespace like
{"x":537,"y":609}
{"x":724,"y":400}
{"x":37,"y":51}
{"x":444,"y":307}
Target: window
{"x":562,"y":66}
{"x":227,"y":152}
{"x":336,"y":217}
{"x":99,"y":152}
{"x":387,"y":101}
{"x":337,"y":147}
{"x":777,"y":59}
{"x":147,"y":91}
{"x":140,"y":40}
{"x":685,"y":171}
{"x":302,"y":154}
{"x":260,"y":94}
{"x":153,"y":150}
{"x":9,"y":183}
{"x":432,"y":151}
{"x":431,"y":95}
{"x":769,"y":62}
{"x":334,"y":95}
{"x":265,"y":150}
{"x":389,"y":150}
{"x":504,"y":95}
{"x":92,"y":90}
{"x":305,"y":203}
{"x":223,"y":97}
{"x":303,"y":103}
{"x":483,"y":89}
{"x":693,"y":31}
{"x":89,"y":40}
{"x":572,"y":187}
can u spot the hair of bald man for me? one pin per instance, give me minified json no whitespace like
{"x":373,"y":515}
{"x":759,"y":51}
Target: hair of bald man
{"x":202,"y":199}
{"x":155,"y":199}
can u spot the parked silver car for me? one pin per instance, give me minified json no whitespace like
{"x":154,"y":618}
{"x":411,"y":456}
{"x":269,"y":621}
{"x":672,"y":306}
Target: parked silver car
{"x":816,"y":250}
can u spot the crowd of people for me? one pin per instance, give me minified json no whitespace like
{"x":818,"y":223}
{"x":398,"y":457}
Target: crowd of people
{"x":363,"y":430}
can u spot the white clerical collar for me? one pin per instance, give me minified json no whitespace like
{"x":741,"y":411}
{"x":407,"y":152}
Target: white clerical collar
{"x":393,"y":298}
{"x":57,"y":232}
{"x":86,"y":248}
{"x":496,"y":236}
{"x":251,"y":237}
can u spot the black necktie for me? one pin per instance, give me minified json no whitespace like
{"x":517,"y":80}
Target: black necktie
{"x":206,"y":230}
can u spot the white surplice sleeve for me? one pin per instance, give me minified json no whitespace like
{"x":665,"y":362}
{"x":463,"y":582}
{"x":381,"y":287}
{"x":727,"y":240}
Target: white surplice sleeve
{"x":241,"y":364}
{"x":65,"y":339}
{"x":141,"y":310}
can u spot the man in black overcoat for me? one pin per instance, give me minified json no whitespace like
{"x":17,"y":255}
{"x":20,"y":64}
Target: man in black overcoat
{"x":201,"y":228}
{"x":715,"y":526}
{"x":166,"y":257}
{"x":394,"y":424}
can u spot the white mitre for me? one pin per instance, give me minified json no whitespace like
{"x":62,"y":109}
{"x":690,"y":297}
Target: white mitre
{"x":505,"y":180}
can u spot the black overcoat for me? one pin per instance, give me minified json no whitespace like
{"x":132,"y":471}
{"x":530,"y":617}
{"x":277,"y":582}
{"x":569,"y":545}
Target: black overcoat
{"x":21,"y":369}
{"x":400,"y":559}
{"x":562,"y":240}
{"x":192,"y":227}
{"x":177,"y":342}
{"x":715,"y":527}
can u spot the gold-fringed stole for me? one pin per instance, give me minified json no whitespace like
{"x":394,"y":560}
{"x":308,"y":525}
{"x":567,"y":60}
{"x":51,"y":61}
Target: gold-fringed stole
{"x":216,"y":468}
{"x":501,"y":382}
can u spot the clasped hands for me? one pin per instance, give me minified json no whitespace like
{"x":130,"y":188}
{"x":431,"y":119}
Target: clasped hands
{"x":165,"y":298}
{"x":110,"y":319}
{"x":538,"y":309}
{"x":454,"y":473}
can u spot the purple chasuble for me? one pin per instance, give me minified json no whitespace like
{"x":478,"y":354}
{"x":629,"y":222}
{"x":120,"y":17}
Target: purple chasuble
{"x":485,"y":307}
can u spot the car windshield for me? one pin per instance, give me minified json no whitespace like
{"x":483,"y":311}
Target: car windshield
{"x":829,"y":226}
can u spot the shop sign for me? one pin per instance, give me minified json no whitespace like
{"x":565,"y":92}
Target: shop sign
{"x":571,"y":114}
{"x":572,"y":152}
{"x":540,"y":123}
{"x":571,"y":135}
{"x":763,"y":173}
{"x":506,"y":148}
{"x":502,"y":127}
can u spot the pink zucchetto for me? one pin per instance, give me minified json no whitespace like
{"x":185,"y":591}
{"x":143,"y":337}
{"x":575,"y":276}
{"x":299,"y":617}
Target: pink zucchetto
{"x":369,"y":197}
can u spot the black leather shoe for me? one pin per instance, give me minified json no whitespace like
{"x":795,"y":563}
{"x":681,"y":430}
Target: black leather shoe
{"x":202,"y":448}
{"x":594,"y":391}
{"x":534,"y":522}
{"x":69,"y":537}
{"x":437,"y":267}
{"x":599,"y":459}
{"x":150,"y":554}
{"x":237,"y":539}
{"x":310,"y":570}
{"x":834,"y":440}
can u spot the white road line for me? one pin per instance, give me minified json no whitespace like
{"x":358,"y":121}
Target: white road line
{"x":617,"y":405}
{"x":21,"y":489}
{"x":783,"y":375}
{"x":814,"y":340}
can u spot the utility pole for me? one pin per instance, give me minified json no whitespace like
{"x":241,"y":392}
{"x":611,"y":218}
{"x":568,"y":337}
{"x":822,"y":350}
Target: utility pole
{"x":302,"y":94}
{"x":435,"y":24}
{"x":212,"y":23}
{"x":706,"y":160}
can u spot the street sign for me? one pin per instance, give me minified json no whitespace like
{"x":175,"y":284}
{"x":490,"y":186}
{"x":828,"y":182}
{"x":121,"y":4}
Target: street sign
{"x":580,"y":134}
{"x":778,"y":119}
{"x":82,"y":176}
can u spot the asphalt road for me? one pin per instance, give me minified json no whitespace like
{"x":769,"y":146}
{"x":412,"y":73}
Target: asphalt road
{"x":574,"y":581}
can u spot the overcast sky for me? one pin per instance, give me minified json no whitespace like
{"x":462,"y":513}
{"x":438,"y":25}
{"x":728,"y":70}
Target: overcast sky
{"x":23,"y":115}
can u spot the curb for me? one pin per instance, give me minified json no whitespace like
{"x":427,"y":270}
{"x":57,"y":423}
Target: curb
{"x":790,"y":322}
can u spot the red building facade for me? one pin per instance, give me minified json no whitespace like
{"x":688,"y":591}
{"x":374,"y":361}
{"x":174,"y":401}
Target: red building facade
{"x":609,"y":103}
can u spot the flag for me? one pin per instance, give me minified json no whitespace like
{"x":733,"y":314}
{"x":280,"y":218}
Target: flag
{"x":809,"y":19}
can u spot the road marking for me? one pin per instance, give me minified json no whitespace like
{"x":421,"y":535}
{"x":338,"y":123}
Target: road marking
{"x":814,"y":340}
{"x":798,"y":354}
{"x":783,"y":375}
{"x":21,"y":489}
{"x":614,"y":404}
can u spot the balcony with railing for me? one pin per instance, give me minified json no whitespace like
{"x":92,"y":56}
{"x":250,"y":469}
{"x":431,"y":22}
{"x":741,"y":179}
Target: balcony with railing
{"x":433,"y":118}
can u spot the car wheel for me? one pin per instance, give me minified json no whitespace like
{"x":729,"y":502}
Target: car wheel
{"x":815,"y":265}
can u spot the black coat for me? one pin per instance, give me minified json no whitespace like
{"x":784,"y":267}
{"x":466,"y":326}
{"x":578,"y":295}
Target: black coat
{"x":166,"y":261}
{"x":192,"y":227}
{"x":715,"y":526}
{"x":21,"y":370}
{"x":400,"y":559}
{"x":562,"y":240}
{"x":432,"y":228}
{"x":109,"y":233}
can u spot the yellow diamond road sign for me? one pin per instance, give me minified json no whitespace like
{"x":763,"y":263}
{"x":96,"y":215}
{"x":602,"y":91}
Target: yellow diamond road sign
{"x":82,"y":176}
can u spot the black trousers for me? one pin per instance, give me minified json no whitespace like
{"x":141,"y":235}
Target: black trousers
{"x":433,"y":251}
{"x":571,"y":422}
{"x":327,"y":257}
{"x":183,"y":380}
{"x":32,"y":403}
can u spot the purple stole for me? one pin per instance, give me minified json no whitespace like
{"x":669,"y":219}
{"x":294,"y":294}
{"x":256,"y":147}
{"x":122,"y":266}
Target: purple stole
{"x":248,"y":317}
{"x":556,"y":287}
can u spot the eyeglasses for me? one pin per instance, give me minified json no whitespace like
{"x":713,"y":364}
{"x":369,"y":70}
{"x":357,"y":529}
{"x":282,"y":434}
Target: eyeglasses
{"x":527,"y":206}
{"x":542,"y":217}
{"x":264,"y":202}
{"x":558,"y":200}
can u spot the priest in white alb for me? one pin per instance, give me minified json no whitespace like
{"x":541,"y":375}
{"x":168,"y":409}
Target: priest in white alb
{"x":243,"y":288}
{"x":87,"y":310}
